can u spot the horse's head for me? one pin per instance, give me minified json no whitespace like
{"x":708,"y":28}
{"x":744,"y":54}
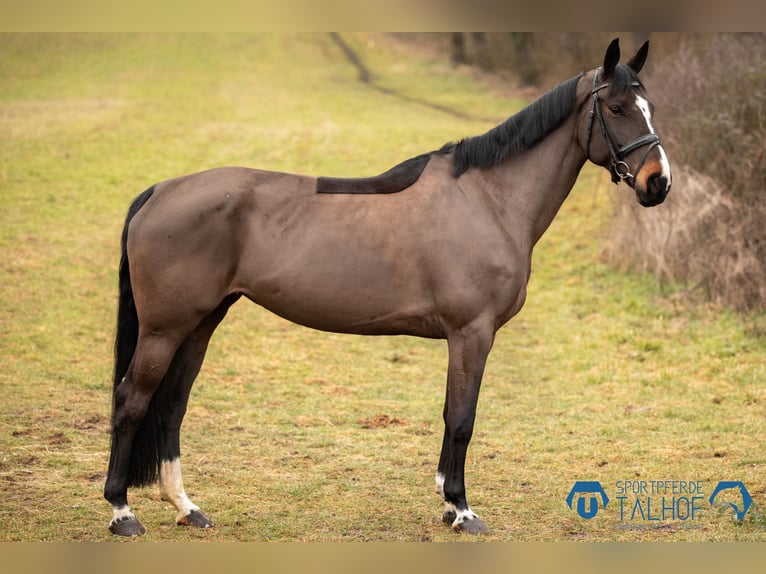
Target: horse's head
{"x":617,"y":131}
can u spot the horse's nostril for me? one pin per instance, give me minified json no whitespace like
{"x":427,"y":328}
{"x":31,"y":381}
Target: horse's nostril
{"x":657,"y":184}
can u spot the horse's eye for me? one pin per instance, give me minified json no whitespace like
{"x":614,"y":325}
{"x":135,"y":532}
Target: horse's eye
{"x":616,"y":110}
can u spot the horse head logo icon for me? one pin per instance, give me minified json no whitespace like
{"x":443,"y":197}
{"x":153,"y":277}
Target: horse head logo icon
{"x":747,"y":500}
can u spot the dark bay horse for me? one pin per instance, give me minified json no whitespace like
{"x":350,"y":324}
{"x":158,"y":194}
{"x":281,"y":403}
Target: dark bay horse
{"x":439,"y":246}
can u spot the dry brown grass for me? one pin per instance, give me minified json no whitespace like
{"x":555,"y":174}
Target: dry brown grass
{"x":704,"y":237}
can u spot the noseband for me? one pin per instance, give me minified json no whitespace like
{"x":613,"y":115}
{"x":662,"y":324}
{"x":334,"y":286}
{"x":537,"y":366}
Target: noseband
{"x":618,"y":168}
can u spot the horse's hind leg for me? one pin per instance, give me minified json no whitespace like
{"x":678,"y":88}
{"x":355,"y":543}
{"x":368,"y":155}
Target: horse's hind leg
{"x":175,"y":397}
{"x":175,"y":390}
{"x":133,"y":456}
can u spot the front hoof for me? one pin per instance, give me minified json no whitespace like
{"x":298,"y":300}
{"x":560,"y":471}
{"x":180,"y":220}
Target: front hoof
{"x":449,"y":517}
{"x":127,"y":526}
{"x":473,"y":525}
{"x":195,"y":518}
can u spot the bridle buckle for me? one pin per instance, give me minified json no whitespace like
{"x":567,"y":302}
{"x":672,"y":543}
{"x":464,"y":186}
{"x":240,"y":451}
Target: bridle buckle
{"x":621,"y":171}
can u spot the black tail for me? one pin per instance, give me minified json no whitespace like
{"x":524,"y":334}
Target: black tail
{"x":127,"y":318}
{"x":144,"y":459}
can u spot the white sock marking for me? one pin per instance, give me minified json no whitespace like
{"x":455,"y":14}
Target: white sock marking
{"x":463,"y":515}
{"x":460,"y":515}
{"x":440,"y":484}
{"x":172,"y":488}
{"x":121,"y":513}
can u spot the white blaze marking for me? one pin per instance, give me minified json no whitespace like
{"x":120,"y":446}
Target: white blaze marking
{"x":643,"y":106}
{"x":172,"y":488}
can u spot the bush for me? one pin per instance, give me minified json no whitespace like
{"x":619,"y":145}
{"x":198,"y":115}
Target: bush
{"x":711,"y":232}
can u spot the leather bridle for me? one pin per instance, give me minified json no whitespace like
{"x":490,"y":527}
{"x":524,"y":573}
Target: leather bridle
{"x":618,"y":168}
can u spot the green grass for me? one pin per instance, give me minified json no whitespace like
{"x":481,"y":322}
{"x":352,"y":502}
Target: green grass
{"x":602,"y":376}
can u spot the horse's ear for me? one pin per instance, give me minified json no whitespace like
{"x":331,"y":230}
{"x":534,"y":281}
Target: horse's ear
{"x":612,"y":58}
{"x":637,"y":61}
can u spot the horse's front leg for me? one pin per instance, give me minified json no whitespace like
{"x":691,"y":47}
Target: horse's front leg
{"x":468,"y":350}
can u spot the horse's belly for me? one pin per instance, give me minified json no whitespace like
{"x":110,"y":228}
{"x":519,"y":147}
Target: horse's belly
{"x":310,"y":306}
{"x":342,"y":291}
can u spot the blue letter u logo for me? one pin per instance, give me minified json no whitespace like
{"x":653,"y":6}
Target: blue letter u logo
{"x":592,"y":508}
{"x":587,"y":487}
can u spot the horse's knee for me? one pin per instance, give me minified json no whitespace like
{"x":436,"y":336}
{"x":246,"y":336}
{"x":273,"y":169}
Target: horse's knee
{"x":459,"y":429}
{"x":462,"y":433}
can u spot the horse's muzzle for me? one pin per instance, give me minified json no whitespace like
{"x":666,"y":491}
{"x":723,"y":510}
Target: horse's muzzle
{"x":657,"y":188}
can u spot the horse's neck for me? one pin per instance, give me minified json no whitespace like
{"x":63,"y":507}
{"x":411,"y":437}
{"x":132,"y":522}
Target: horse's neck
{"x":531,"y":187}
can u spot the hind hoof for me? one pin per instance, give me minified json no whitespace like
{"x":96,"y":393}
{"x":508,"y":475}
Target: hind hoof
{"x":195,"y":518}
{"x":127,"y":526}
{"x":449,"y":517}
{"x":473,"y":525}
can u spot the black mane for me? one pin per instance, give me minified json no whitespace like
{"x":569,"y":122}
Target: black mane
{"x":518,"y":133}
{"x":396,"y":179}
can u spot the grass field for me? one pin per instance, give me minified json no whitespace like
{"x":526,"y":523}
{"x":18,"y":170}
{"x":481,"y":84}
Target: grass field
{"x":293,"y":434}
